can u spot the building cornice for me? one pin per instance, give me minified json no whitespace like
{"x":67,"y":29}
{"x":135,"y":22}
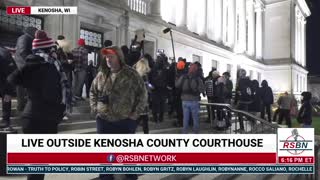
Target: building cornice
{"x":304,"y":7}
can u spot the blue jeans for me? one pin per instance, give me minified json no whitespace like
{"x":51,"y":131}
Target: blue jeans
{"x":123,"y":126}
{"x":194,"y":108}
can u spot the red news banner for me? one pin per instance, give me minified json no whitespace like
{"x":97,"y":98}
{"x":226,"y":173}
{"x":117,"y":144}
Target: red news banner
{"x":162,"y":148}
{"x":142,"y":158}
{"x":28,"y":10}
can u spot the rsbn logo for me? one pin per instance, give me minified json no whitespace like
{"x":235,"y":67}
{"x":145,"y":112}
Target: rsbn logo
{"x":295,"y":144}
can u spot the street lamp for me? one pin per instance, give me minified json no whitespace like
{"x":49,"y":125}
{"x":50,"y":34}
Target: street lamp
{"x":165,"y":31}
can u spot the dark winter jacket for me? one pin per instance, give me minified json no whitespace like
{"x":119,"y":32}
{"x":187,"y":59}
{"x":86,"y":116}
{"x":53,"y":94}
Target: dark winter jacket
{"x":63,"y":57}
{"x":255,"y":106}
{"x":172,"y":75}
{"x":42,"y":81}
{"x":24,"y":46}
{"x":244,"y":91}
{"x":91,"y":72}
{"x":266,"y":92}
{"x":229,"y":87}
{"x":7,"y":66}
{"x":159,"y":78}
{"x":305,"y":111}
{"x":220,"y":92}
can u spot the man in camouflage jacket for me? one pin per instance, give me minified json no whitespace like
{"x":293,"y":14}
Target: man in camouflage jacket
{"x":120,"y":94}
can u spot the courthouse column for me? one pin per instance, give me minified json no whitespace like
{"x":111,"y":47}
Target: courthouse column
{"x":231,"y":23}
{"x":181,"y":13}
{"x":304,"y":42}
{"x":203,"y":18}
{"x":258,"y":32}
{"x":299,"y":39}
{"x":224,"y":21}
{"x":210,"y":19}
{"x":242,"y":26}
{"x":155,"y":8}
{"x":218,"y":20}
{"x":251,"y":28}
{"x":296,"y":34}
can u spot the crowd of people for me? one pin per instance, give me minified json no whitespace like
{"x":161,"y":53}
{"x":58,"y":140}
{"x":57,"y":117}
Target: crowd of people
{"x":125,"y":87}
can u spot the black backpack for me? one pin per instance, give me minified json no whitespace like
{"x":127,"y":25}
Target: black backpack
{"x":189,"y":90}
{"x":268,"y":96}
{"x":220,"y":90}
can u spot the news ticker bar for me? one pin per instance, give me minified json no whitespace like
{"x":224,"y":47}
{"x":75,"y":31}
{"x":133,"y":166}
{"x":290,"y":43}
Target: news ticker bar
{"x":27,"y":10}
{"x":212,"y":169}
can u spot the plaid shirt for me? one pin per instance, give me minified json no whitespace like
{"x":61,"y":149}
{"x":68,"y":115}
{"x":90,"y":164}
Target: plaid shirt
{"x":80,"y":58}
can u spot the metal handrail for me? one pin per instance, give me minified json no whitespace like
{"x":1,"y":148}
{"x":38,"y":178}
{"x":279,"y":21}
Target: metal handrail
{"x":228,"y":107}
{"x":314,"y":176}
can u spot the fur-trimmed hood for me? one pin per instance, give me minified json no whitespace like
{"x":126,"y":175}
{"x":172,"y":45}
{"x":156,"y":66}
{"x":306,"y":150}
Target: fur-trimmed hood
{"x":65,"y":45}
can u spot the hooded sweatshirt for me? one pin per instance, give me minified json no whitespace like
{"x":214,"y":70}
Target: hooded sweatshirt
{"x":24,"y":46}
{"x":191,"y":85}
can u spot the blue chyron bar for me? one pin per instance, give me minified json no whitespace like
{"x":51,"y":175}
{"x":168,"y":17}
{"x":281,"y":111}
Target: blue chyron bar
{"x":173,"y":169}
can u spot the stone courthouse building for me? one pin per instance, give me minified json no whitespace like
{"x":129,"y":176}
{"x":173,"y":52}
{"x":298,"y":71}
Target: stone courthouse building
{"x":265,"y":37}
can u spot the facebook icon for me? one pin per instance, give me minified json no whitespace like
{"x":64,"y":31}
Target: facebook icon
{"x":111,"y":158}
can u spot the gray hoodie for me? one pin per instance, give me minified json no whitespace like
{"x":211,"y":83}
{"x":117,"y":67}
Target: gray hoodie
{"x":24,"y":46}
{"x":285,"y":102}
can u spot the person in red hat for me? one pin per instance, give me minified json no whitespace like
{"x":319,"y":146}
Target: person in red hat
{"x":80,"y":62}
{"x":47,"y":88}
{"x":117,"y":96}
{"x":191,"y":86}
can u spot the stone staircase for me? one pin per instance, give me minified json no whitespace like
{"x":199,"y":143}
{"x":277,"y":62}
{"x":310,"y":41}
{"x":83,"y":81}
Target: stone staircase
{"x":82,"y":122}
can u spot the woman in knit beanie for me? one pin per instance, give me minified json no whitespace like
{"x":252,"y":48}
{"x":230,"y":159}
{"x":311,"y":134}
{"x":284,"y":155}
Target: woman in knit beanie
{"x":45,"y":82}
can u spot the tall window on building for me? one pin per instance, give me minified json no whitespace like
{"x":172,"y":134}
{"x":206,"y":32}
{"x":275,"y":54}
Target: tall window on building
{"x":196,"y":58}
{"x":214,"y":64}
{"x":93,"y":41}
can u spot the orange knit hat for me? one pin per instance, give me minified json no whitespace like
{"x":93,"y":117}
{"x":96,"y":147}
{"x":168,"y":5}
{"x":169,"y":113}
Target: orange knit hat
{"x":181,"y":65}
